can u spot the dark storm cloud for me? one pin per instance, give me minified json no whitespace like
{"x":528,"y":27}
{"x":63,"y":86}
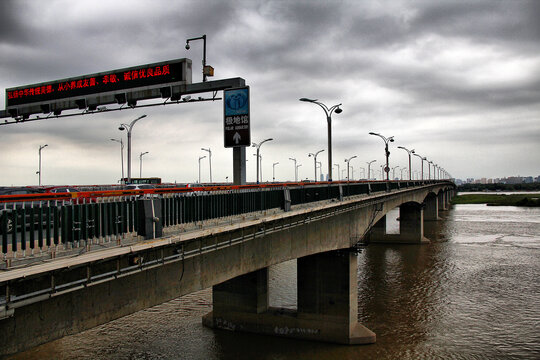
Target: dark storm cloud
{"x":13,"y":29}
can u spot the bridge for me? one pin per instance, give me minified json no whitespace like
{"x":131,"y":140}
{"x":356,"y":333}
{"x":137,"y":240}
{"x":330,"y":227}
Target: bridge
{"x":97,"y":261}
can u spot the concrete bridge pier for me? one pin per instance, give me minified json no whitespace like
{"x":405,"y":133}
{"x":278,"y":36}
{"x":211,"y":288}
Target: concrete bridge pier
{"x":327,"y":303}
{"x":411,"y":227}
{"x":431,"y":209}
{"x":443,"y":200}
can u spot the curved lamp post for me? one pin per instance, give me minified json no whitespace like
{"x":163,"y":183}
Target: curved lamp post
{"x":121,"y":155}
{"x":315,"y":161}
{"x":338,"y":171}
{"x":209,"y":160}
{"x":140,"y":162}
{"x":348,"y":161}
{"x":422,"y":159}
{"x":369,"y":168}
{"x":429,"y":168}
{"x":387,"y":153}
{"x":295,"y":172}
{"x":200,"y":158}
{"x":409,"y":152}
{"x":39,"y":152}
{"x":258,"y":146}
{"x":328,"y":111}
{"x":274,"y":171}
{"x":128,"y":128}
{"x":297,"y":166}
{"x":394,"y":172}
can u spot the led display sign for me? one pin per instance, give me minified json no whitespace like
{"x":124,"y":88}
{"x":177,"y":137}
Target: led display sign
{"x":115,"y":81}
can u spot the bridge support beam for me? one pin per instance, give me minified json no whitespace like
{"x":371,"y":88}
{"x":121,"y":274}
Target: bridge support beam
{"x":431,"y":209}
{"x":327,"y":303}
{"x":443,"y":200}
{"x":411,"y":227}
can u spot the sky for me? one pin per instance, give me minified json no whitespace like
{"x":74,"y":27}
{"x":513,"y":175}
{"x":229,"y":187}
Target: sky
{"x":458,"y":81}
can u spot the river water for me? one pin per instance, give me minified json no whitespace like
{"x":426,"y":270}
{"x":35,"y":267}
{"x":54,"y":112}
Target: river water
{"x":473,"y":293}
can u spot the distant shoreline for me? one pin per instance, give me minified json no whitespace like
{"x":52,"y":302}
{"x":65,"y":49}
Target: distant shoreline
{"x":494,"y":199}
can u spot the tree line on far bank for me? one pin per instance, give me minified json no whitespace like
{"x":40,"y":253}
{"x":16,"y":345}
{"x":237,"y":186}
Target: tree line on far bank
{"x":500,"y":187}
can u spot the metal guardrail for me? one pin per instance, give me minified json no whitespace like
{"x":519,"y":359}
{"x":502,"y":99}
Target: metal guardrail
{"x":42,"y":225}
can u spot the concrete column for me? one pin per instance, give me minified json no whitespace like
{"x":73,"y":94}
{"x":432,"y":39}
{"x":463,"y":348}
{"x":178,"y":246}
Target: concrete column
{"x":441,"y":200}
{"x":327,"y":303}
{"x":328,"y":298}
{"x":411,"y":227}
{"x":431,"y":209}
{"x":247,"y":293}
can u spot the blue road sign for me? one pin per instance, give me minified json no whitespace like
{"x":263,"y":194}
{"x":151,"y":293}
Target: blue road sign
{"x":236,"y":124}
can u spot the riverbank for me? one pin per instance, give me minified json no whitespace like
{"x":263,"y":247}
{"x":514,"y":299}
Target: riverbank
{"x":529,"y":200}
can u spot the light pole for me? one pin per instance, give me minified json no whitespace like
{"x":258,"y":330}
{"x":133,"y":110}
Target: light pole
{"x":343,"y":173}
{"x":337,"y":171}
{"x":128,"y":128}
{"x":409,"y":152}
{"x":295,"y":173}
{"x":258,"y":146}
{"x":422,"y":160}
{"x":319,"y":166}
{"x":394,"y":172}
{"x":39,"y":152}
{"x":348,"y":161}
{"x":297,"y":166}
{"x":209,"y":160}
{"x":328,"y":111}
{"x":200,"y":158}
{"x":363,"y":171}
{"x":274,"y":171}
{"x":387,"y":153}
{"x":140,"y":162}
{"x":369,"y":168}
{"x":382,"y":172}
{"x":315,"y":161}
{"x":207,"y":69}
{"x":402,"y":173}
{"x":121,"y":156}
{"x":429,"y":168}
{"x":259,"y":170}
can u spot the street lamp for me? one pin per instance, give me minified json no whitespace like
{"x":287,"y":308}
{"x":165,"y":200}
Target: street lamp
{"x":258,"y":146}
{"x":200,"y":158}
{"x":140,"y":162}
{"x":409,"y":152}
{"x":297,"y":166}
{"x":207,"y":69}
{"x":337,"y":171}
{"x":209,"y":160}
{"x":402,"y":173}
{"x":386,"y":141}
{"x":295,"y":172}
{"x":259,"y":170}
{"x":318,"y":166}
{"x":128,"y":128}
{"x":121,"y":155}
{"x":328,"y":112}
{"x":369,"y":168}
{"x":422,"y":159}
{"x":382,"y":172}
{"x":315,"y":161}
{"x":394,"y":172}
{"x":274,"y":171}
{"x":348,"y":161}
{"x":429,"y":168}
{"x":39,"y":171}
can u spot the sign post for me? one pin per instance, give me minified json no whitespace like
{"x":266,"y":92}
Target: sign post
{"x":236,"y":126}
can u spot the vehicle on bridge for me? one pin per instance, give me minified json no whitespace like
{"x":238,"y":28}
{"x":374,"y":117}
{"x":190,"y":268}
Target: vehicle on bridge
{"x":146,"y":180}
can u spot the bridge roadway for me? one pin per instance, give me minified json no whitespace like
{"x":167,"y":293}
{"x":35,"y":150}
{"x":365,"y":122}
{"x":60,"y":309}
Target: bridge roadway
{"x":64,"y":296}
